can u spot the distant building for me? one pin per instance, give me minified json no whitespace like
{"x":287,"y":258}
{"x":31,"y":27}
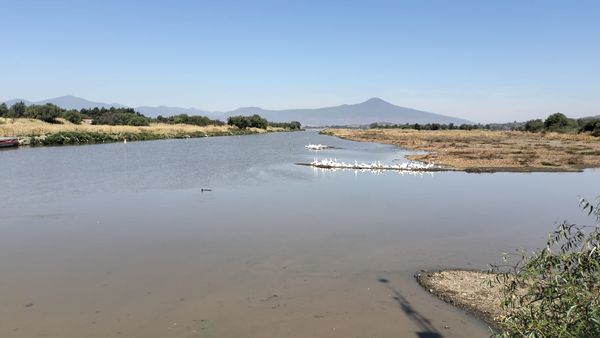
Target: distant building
{"x":86,"y":121}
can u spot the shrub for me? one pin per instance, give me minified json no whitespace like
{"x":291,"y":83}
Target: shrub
{"x":47,"y":112}
{"x":137,"y":121}
{"x":73,"y":137}
{"x":560,"y":123}
{"x":534,"y":126}
{"x":555,"y":292}
{"x":73,"y":116}
{"x":181,"y":119}
{"x":17,"y":110}
{"x":3,"y":109}
{"x":243,"y":122}
{"x":294,"y":125}
{"x":115,"y":116}
{"x":592,"y":126}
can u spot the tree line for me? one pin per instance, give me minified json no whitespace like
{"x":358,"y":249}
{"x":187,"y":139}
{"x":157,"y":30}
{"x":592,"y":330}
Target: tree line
{"x":196,"y":120}
{"x":428,"y":126}
{"x":256,"y":121}
{"x":128,"y":116}
{"x":560,"y":123}
{"x":51,"y":113}
{"x":557,"y":122}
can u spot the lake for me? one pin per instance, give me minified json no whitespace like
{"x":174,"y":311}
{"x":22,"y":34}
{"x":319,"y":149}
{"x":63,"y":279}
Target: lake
{"x":119,"y":240}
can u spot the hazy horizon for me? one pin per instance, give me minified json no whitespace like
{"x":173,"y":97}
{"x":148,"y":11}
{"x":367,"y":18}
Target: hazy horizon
{"x":479,"y":61}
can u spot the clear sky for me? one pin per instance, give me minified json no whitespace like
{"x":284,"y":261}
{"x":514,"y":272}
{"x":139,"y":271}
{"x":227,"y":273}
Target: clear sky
{"x":481,"y":60}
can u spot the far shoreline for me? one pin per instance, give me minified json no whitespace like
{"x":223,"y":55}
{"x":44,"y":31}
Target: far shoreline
{"x":478,"y":151}
{"x":35,"y":133}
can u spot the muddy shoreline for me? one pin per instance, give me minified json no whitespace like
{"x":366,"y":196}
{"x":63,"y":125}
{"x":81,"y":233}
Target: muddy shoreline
{"x":466,"y":289}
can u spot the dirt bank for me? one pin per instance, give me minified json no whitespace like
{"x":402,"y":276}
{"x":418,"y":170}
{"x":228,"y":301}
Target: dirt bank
{"x":469,"y":290}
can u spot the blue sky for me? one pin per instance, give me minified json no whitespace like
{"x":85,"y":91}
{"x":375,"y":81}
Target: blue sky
{"x":481,"y":60}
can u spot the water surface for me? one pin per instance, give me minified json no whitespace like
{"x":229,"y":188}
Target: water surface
{"x":119,"y":240}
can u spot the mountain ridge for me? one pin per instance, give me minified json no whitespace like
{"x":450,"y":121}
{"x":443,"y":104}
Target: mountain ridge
{"x":372,"y":110}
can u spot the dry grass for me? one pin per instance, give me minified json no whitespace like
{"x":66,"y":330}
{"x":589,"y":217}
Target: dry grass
{"x":30,"y":127}
{"x":480,"y":150}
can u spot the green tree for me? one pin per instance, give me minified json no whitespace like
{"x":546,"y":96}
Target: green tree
{"x":534,"y":126}
{"x":295,"y":125}
{"x":47,"y":112}
{"x":559,"y":122}
{"x":181,"y":119}
{"x":17,"y":110}
{"x":241,"y":122}
{"x":592,"y":126}
{"x":72,"y":116}
{"x":256,"y":121}
{"x":3,"y":109}
{"x":115,"y":116}
{"x":137,"y":121}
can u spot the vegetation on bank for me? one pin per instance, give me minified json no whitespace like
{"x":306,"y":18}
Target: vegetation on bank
{"x":256,"y":121}
{"x":550,"y":292}
{"x":37,"y":133}
{"x":129,"y":117}
{"x":97,"y":116}
{"x":555,"y":291}
{"x":49,"y":124}
{"x":195,"y":120}
{"x":557,"y":122}
{"x":91,"y":137}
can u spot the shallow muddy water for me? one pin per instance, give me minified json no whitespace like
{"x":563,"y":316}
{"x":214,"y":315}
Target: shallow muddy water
{"x":119,"y":240}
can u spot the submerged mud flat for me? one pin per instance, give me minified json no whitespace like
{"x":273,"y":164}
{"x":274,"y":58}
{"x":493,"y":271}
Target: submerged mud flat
{"x":126,"y":244}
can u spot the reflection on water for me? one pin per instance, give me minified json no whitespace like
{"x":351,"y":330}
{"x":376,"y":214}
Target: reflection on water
{"x":106,"y":240}
{"x":378,"y":171}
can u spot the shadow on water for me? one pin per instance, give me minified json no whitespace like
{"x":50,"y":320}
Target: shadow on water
{"x":426,"y":329}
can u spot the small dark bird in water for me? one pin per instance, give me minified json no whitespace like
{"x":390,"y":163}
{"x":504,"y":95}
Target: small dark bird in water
{"x":204,"y":189}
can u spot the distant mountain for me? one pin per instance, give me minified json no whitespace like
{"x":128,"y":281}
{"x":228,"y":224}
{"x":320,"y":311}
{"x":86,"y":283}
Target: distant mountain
{"x":372,"y":110}
{"x":68,"y":102}
{"x":13,"y":101}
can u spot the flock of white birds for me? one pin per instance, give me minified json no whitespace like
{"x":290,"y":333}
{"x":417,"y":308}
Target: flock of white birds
{"x":317,"y":146}
{"x":332,"y":163}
